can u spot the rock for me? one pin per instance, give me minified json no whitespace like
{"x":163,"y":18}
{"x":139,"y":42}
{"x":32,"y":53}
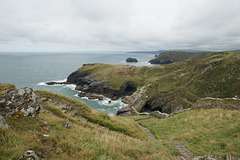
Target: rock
{"x":159,"y":114}
{"x":22,"y":102}
{"x":226,"y":103}
{"x":3,"y":123}
{"x":94,"y":97}
{"x":93,"y":84}
{"x":82,"y":94}
{"x":29,"y":155}
{"x":67,"y":125}
{"x":127,"y":111}
{"x":56,"y":83}
{"x":144,"y":113}
{"x":130,"y":60}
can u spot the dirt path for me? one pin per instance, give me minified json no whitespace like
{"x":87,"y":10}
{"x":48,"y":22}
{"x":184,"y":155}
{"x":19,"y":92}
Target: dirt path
{"x":186,"y":154}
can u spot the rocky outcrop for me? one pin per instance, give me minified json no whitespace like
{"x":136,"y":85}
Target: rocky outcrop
{"x":29,"y":155}
{"x":226,"y":103}
{"x":90,"y":96}
{"x":58,"y":83}
{"x":97,"y":84}
{"x":159,"y":115}
{"x":22,"y":102}
{"x":131,"y":60}
{"x":3,"y":123}
{"x":136,"y":100}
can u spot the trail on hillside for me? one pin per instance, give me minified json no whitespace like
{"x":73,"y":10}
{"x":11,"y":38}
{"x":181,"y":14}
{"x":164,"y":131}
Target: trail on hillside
{"x":186,"y":154}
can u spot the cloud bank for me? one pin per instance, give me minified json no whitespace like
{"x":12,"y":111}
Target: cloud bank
{"x":78,"y":25}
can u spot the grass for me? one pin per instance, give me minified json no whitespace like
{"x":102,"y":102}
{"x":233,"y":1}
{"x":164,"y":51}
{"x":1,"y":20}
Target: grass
{"x":139,"y":117}
{"x":203,"y":131}
{"x":84,"y":140}
{"x":121,"y":124}
{"x":4,"y":86}
{"x":182,"y":80}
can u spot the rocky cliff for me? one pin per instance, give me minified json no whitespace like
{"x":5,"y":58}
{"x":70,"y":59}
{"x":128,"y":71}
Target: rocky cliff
{"x":97,"y":83}
{"x":164,"y":88}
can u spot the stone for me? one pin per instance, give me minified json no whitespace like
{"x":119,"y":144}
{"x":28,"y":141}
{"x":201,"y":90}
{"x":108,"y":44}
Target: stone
{"x":57,"y":83}
{"x":29,"y":155}
{"x":159,"y":114}
{"x":3,"y":123}
{"x":22,"y":102}
{"x":130,"y":60}
{"x":67,"y":125}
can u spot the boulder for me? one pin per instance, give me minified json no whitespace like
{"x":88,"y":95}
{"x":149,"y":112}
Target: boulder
{"x":159,"y":114}
{"x":127,"y":111}
{"x":130,"y":60}
{"x":3,"y":123}
{"x":29,"y":155}
{"x":22,"y":102}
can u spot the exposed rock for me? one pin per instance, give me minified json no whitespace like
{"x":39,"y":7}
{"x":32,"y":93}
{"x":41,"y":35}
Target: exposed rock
{"x":226,"y":103}
{"x":127,"y":111}
{"x":3,"y":123}
{"x":29,"y":155}
{"x":93,"y":84}
{"x":56,"y":83}
{"x":67,"y":125}
{"x":212,"y":157}
{"x":22,"y":102}
{"x":144,"y":113}
{"x":82,"y":94}
{"x":130,"y":60}
{"x":159,"y":114}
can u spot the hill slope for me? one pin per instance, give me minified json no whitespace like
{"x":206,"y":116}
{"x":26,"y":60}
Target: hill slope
{"x":68,"y":129}
{"x":166,"y":87}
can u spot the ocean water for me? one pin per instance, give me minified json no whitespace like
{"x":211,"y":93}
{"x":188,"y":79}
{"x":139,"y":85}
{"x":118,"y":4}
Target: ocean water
{"x":34,"y":69}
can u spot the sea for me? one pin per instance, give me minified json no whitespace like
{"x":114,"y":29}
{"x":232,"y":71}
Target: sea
{"x":34,"y":69}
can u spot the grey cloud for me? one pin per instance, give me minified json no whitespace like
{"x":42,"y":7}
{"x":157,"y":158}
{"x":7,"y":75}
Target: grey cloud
{"x":61,"y":25}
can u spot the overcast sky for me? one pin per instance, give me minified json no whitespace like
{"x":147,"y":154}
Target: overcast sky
{"x":124,"y":25}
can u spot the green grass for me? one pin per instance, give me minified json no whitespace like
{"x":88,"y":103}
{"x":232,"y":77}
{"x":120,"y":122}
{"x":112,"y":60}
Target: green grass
{"x":139,"y":117}
{"x":121,"y":124}
{"x":84,"y":140}
{"x":203,"y":131}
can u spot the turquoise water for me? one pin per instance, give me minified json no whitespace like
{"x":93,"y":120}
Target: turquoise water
{"x":33,"y":69}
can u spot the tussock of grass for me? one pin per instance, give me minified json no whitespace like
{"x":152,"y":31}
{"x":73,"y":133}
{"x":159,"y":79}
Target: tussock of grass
{"x":203,"y":131}
{"x":121,"y":124}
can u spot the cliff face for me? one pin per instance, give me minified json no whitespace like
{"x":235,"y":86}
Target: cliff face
{"x":164,"y":88}
{"x":97,"y":84}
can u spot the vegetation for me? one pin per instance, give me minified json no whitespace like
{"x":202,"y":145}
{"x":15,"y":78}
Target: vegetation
{"x":121,"y":124}
{"x":86,"y":139}
{"x":203,"y":131}
{"x":6,"y":86}
{"x":214,"y":75}
{"x":175,"y":56}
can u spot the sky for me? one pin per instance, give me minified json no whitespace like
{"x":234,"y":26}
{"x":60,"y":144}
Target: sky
{"x":119,"y":25}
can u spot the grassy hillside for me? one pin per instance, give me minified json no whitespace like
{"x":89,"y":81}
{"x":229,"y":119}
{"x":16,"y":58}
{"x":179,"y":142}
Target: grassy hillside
{"x":180,"y":83}
{"x":204,"y":131}
{"x":120,"y":124}
{"x":93,"y":134}
{"x":175,"y":56}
